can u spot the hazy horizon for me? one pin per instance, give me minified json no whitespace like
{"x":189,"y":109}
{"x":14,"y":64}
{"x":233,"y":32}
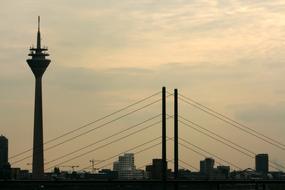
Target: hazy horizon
{"x":108,"y":54}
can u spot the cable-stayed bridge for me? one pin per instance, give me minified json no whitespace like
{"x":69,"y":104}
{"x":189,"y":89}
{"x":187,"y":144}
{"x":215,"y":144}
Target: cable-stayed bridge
{"x":172,"y":145}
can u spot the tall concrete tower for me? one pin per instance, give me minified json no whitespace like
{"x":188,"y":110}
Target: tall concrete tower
{"x":38,"y":64}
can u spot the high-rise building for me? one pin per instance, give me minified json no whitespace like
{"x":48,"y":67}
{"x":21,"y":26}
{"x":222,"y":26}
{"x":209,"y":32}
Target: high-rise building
{"x":154,"y":171}
{"x":38,"y":64}
{"x":126,"y":168}
{"x":207,"y":166}
{"x":127,"y":162}
{"x":261,"y":163}
{"x":202,"y":166}
{"x":3,"y":151}
{"x":5,"y":168}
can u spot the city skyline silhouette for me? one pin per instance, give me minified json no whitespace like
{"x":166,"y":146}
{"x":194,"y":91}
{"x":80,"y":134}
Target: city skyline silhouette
{"x":94,"y":75}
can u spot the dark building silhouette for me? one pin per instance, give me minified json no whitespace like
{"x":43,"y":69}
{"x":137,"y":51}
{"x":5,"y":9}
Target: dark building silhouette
{"x":261,"y":163}
{"x":5,"y":167}
{"x":207,"y":166}
{"x":148,"y":170}
{"x":224,"y":170}
{"x":202,"y":166}
{"x":38,"y":64}
{"x":3,"y":151}
{"x":154,"y":171}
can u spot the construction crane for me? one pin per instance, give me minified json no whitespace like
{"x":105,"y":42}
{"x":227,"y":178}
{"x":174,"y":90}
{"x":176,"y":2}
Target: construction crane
{"x":92,"y":161}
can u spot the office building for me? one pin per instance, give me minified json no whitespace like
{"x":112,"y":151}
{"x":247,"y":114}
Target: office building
{"x":207,"y":166}
{"x":261,"y":163}
{"x":5,"y":168}
{"x":3,"y":151}
{"x":154,"y":171}
{"x":125,"y":166}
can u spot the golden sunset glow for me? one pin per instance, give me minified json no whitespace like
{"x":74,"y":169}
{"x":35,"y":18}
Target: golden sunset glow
{"x":106,"y":54}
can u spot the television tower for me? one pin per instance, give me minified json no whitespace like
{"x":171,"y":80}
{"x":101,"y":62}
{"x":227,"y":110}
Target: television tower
{"x":38,"y":64}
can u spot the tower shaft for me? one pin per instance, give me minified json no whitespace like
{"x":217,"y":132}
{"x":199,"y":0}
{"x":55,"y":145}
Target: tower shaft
{"x":38,"y":153}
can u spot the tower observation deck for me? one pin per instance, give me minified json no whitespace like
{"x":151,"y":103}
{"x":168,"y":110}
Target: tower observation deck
{"x":38,"y":64}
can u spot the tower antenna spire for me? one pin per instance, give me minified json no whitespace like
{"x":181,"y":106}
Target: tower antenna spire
{"x":39,"y":34}
{"x":39,"y":22}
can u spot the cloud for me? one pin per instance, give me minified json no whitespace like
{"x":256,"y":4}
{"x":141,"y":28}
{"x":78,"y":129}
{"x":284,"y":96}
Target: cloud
{"x":105,"y":54}
{"x":135,"y":78}
{"x":265,"y":114}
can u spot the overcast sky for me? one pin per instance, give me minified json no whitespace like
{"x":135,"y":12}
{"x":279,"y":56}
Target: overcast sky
{"x":226,"y":54}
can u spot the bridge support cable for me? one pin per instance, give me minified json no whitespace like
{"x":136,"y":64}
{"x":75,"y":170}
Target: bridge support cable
{"x":104,"y":145}
{"x":189,"y":165}
{"x":104,"y":139}
{"x":107,"y":144}
{"x":197,"y":152}
{"x":217,"y":135}
{"x":211,"y":154}
{"x":278,"y":166}
{"x":128,"y":150}
{"x":227,"y":144}
{"x":135,"y":153}
{"x":205,"y":156}
{"x":212,"y":137}
{"x":201,"y":154}
{"x":241,"y":127}
{"x":91,"y":130}
{"x":232,"y":120}
{"x":90,"y":123}
{"x":141,"y":151}
{"x":185,"y":163}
